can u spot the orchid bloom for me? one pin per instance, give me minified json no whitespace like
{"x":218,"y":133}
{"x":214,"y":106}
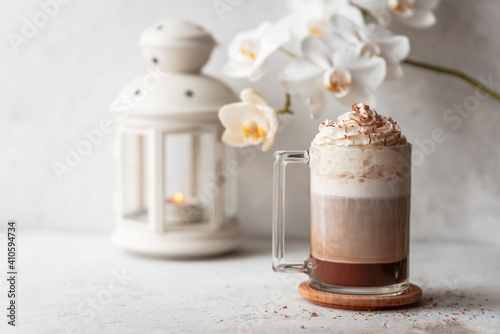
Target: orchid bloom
{"x":249,"y":51}
{"x":250,"y":122}
{"x":372,"y":40}
{"x":415,"y":13}
{"x":314,"y":16}
{"x":324,"y":69}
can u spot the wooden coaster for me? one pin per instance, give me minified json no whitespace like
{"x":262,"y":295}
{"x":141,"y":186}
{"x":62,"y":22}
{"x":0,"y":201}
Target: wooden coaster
{"x":351,"y":302}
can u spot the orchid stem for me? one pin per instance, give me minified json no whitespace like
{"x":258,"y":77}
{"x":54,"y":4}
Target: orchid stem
{"x":288,"y":98}
{"x":286,"y":108}
{"x":454,"y":73}
{"x":288,"y":52}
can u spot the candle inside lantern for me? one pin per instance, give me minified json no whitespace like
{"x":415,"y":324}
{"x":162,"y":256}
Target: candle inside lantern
{"x":178,"y":198}
{"x":182,"y":210}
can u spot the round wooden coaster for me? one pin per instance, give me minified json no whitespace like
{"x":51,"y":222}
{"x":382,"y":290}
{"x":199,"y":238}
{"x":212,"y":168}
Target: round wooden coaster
{"x":351,"y":302}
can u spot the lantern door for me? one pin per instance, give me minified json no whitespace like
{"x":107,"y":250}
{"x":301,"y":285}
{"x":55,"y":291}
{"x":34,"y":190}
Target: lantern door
{"x":191,"y":185}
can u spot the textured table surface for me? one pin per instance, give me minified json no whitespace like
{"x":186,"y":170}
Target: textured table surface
{"x":71,"y":283}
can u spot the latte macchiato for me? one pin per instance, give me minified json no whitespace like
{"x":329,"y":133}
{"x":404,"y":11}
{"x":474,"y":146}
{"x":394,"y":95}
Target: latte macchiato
{"x":360,"y":204}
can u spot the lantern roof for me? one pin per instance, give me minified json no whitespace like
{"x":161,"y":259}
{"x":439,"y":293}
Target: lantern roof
{"x":175,"y":32}
{"x":175,"y":52}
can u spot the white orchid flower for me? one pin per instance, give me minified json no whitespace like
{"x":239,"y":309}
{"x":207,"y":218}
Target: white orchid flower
{"x":249,"y":51}
{"x":314,"y":16}
{"x":372,"y":40}
{"x":324,"y":69}
{"x":250,"y":122}
{"x":415,"y":13}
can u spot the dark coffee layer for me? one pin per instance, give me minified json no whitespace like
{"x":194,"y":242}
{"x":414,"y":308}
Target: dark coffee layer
{"x":359,"y":274}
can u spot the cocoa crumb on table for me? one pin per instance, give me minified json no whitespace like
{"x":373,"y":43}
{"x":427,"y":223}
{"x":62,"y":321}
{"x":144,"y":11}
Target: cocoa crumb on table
{"x":285,"y":307}
{"x":314,"y":314}
{"x":431,"y":307}
{"x":302,"y":326}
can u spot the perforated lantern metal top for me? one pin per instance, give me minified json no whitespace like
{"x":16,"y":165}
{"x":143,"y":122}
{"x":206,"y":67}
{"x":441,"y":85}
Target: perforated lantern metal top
{"x":173,"y":98}
{"x":176,"y":46}
{"x":175,"y":52}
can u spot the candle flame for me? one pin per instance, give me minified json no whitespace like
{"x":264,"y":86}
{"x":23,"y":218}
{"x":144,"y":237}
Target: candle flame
{"x":178,"y":198}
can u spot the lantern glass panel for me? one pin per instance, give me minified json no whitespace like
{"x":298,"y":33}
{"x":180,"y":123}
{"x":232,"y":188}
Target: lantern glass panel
{"x":135,"y":167}
{"x":231,"y":172}
{"x":188,"y":164}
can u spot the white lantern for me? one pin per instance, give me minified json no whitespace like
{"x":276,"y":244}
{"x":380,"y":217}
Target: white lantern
{"x":176,"y":182}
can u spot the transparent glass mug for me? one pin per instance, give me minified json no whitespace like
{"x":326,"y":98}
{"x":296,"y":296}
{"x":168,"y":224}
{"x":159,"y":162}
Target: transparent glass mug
{"x":360,"y":215}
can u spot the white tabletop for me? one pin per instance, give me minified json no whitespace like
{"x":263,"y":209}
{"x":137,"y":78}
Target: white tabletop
{"x":74,"y":283}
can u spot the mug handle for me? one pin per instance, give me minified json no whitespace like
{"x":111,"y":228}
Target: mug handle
{"x":281,"y":159}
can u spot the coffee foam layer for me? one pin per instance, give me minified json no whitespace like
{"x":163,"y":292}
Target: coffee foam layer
{"x":360,"y":171}
{"x":329,"y":187}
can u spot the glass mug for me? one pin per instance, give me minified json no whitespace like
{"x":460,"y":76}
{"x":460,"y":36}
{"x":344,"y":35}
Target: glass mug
{"x":360,"y":215}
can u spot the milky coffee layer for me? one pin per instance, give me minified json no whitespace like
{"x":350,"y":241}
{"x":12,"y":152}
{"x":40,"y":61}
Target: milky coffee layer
{"x":360,"y":230}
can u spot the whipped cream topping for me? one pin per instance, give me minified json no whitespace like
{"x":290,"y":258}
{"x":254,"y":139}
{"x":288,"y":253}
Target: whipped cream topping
{"x":362,"y":126}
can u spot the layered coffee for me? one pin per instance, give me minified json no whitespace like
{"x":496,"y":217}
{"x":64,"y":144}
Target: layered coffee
{"x":360,"y":202}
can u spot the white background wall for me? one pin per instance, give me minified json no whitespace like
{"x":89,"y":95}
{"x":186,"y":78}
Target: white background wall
{"x":62,"y":81}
